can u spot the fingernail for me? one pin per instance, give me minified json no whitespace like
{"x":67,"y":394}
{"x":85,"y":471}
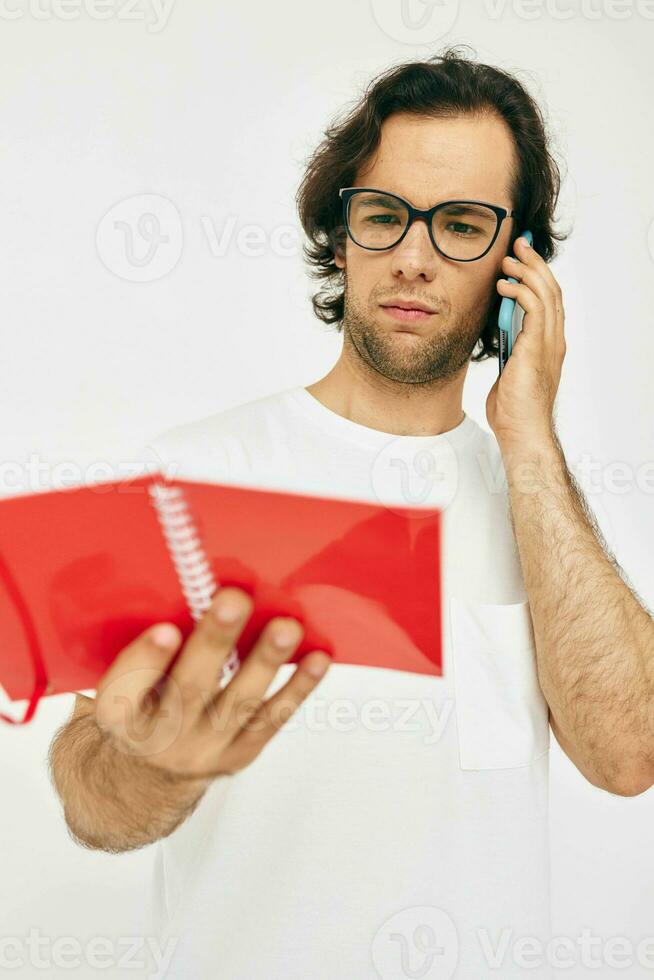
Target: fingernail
{"x":525,"y":242}
{"x":165,"y":635}
{"x":227,"y":609}
{"x":316,"y":665}
{"x":283,"y":636}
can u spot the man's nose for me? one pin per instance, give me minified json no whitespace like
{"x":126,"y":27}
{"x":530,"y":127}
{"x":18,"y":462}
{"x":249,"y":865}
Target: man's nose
{"x":415,"y":255}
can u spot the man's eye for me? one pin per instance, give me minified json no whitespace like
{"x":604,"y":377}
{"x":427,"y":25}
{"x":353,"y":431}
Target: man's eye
{"x":382,"y":219}
{"x":457,"y":225}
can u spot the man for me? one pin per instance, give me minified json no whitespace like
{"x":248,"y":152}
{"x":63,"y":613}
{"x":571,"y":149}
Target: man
{"x":410,"y":838}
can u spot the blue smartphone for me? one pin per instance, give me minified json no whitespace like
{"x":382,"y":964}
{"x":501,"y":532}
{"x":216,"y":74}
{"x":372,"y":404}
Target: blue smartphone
{"x":510,"y":320}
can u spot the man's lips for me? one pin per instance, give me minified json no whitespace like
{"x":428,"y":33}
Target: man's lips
{"x":406,"y":316}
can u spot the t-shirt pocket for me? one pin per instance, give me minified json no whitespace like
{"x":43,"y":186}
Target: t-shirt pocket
{"x":502,"y":715}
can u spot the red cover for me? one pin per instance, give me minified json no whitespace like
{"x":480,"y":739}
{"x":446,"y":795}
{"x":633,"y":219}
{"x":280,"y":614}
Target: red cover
{"x":84,"y":570}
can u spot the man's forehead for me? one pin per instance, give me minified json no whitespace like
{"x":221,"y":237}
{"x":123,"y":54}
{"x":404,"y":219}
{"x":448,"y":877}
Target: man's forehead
{"x":429,"y":160}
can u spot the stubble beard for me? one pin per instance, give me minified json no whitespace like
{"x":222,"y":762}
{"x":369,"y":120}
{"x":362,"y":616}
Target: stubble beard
{"x":429,"y":360}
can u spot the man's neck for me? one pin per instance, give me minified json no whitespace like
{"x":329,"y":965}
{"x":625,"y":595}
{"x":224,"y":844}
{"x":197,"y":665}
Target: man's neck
{"x":401,"y":409}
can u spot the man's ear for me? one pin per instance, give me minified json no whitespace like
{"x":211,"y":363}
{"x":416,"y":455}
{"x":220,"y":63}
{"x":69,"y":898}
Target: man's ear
{"x":338,"y":242}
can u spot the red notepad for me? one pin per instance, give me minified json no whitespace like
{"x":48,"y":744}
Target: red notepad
{"x":84,"y":570}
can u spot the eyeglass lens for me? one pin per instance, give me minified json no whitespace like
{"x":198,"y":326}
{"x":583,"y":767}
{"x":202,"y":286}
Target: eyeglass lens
{"x":461,"y":231}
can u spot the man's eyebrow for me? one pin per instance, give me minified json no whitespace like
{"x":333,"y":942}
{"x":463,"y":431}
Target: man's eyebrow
{"x":388,"y":200}
{"x":467,"y":209}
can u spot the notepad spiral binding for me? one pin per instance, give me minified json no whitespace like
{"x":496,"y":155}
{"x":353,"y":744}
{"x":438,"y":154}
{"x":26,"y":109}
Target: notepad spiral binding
{"x":196,"y":578}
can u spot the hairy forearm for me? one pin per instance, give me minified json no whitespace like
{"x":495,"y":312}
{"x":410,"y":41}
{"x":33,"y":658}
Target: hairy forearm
{"x":113,"y":801}
{"x":594,"y":639}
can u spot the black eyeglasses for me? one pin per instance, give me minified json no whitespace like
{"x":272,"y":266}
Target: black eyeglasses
{"x":460,"y":230}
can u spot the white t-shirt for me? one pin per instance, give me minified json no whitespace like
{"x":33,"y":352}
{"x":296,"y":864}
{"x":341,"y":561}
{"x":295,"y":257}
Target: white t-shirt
{"x":396,"y":825}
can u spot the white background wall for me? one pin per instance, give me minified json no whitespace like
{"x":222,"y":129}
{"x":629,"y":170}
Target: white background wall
{"x":214,"y":107}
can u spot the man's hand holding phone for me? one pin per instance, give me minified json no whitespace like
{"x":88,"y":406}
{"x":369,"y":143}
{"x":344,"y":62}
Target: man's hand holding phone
{"x":520,"y":405}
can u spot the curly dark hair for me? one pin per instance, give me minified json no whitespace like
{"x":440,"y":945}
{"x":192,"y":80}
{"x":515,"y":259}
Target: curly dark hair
{"x":444,"y":85}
